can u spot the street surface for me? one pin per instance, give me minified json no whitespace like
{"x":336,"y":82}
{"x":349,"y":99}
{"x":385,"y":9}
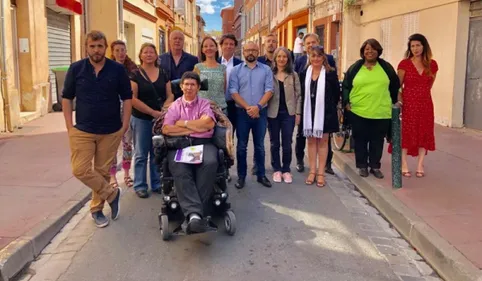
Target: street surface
{"x":288,"y":232}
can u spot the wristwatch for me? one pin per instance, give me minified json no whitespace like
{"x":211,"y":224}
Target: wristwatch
{"x":259,"y":107}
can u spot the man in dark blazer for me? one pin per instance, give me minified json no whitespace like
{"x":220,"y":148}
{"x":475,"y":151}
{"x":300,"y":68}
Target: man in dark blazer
{"x":310,"y":40}
{"x":176,"y":61}
{"x":228,"y":44}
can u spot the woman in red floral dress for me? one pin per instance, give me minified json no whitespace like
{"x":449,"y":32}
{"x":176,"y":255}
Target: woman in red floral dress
{"x":417,"y":74}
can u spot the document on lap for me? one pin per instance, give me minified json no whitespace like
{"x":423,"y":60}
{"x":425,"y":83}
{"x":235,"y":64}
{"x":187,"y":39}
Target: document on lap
{"x":190,"y":154}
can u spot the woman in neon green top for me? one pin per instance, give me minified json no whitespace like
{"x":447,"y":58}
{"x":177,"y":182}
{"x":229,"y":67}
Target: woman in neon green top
{"x":370,"y":88}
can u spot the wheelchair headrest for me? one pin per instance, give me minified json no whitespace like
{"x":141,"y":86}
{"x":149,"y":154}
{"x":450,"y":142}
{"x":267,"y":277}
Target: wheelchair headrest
{"x":176,"y":86}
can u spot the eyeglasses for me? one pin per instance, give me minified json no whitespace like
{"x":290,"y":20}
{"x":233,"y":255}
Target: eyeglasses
{"x":251,"y":50}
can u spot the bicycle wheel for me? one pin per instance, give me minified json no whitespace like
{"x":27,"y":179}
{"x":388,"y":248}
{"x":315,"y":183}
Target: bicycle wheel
{"x":339,"y":138}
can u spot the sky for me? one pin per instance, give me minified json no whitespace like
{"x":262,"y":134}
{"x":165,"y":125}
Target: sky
{"x":211,"y":12}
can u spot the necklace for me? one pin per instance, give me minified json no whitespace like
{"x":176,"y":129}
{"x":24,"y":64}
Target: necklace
{"x":313,"y":92}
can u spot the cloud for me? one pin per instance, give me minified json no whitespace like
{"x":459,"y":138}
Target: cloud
{"x":207,"y":6}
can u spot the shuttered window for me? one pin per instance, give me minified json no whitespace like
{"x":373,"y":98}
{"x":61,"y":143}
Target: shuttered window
{"x":58,"y":34}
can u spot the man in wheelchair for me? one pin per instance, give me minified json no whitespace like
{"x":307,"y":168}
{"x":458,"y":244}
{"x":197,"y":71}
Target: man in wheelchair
{"x":192,"y":117}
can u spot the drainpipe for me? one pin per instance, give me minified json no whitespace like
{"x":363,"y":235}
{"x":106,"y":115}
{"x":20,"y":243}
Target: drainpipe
{"x":86,"y":16}
{"x":85,"y":27}
{"x":193,"y":19}
{"x":269,"y":18}
{"x":310,"y":16}
{"x":6,"y":104}
{"x":120,"y":13}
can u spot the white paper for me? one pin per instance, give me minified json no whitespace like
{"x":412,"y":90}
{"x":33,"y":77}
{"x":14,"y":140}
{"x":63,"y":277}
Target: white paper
{"x":190,"y":155}
{"x":23,"y":45}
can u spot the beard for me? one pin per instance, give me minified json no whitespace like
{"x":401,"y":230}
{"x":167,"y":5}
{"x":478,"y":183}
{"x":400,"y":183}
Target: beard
{"x":96,"y":57}
{"x":250,"y":58}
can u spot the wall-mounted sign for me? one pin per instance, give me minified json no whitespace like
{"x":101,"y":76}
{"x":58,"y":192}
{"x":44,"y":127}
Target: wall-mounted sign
{"x":23,"y":45}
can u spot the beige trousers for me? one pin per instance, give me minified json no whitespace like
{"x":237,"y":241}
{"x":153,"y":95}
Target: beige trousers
{"x":91,"y":158}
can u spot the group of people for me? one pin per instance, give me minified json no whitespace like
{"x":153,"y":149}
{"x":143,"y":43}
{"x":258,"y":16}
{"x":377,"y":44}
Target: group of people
{"x":117,"y":101}
{"x":371,"y":87}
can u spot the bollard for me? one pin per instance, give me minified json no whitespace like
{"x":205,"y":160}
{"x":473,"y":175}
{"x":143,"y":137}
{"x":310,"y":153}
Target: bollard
{"x":396,"y":148}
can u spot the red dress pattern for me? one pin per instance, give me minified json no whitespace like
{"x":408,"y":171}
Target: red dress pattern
{"x":417,"y":109}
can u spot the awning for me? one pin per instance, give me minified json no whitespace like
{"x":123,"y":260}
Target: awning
{"x":71,"y":5}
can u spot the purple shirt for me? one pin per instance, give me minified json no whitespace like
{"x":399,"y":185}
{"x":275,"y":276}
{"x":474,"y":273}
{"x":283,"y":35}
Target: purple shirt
{"x":183,"y":110}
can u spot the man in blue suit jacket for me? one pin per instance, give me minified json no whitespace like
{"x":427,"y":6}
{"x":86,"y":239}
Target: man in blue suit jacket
{"x":176,"y":61}
{"x":310,"y":40}
{"x":301,"y":62}
{"x":228,"y":44}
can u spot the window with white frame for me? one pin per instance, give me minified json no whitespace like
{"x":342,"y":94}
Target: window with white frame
{"x":410,"y":26}
{"x":386,"y":38}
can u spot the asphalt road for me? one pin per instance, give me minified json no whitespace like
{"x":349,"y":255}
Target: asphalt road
{"x":288,"y":232}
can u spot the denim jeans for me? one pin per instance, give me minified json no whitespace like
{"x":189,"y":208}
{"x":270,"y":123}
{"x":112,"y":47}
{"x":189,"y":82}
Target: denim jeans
{"x":143,"y":150}
{"x":257,"y":126}
{"x":283,"y":125}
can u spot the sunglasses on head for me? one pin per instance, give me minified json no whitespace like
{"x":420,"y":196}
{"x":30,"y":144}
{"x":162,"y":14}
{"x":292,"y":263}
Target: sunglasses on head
{"x":320,"y":48}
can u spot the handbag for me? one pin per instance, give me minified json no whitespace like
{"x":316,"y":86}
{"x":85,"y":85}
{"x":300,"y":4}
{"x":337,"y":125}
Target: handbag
{"x":144,"y":74}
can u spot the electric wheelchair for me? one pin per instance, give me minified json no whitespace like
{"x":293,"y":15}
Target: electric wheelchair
{"x":219,"y":207}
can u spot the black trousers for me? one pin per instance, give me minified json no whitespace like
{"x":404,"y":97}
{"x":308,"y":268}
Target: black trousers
{"x":195,"y":182}
{"x":301,"y":144}
{"x":369,"y":135}
{"x":232,"y":114}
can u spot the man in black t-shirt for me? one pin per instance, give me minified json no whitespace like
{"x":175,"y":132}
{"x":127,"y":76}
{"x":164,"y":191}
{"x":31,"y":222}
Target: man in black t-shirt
{"x":98,"y":84}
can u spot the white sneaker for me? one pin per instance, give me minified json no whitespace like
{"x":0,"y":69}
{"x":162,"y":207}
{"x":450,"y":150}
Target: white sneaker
{"x":287,"y":177}
{"x":277,"y":177}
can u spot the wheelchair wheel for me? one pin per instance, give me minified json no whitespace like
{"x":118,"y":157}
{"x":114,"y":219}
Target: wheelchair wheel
{"x":230,"y":222}
{"x":165,"y":228}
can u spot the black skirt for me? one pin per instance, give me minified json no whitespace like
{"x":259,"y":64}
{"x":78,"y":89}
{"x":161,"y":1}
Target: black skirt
{"x":331,"y":117}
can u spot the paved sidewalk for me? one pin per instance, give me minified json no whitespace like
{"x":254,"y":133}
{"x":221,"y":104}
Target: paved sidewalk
{"x":448,"y":200}
{"x":38,"y":193}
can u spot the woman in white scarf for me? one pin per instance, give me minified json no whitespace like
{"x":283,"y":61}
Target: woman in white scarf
{"x":320,"y":95}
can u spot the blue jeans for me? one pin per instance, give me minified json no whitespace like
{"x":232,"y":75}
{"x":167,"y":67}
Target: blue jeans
{"x":143,"y":149}
{"x":244,"y":125}
{"x":284,"y":125}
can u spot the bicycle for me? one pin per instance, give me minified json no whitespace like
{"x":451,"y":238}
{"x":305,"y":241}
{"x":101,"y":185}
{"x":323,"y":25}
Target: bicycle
{"x":344,"y":135}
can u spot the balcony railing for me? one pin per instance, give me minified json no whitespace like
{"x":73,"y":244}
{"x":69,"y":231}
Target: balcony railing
{"x":165,"y":6}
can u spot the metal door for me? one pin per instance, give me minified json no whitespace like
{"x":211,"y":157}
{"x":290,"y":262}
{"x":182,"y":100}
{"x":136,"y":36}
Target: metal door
{"x":58,"y":37}
{"x":473,"y":84}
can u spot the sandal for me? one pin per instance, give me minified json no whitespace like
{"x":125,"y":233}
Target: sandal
{"x":310,"y":181}
{"x":322,"y":182}
{"x":420,"y":174}
{"x":407,"y":174}
{"x":128,"y":181}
